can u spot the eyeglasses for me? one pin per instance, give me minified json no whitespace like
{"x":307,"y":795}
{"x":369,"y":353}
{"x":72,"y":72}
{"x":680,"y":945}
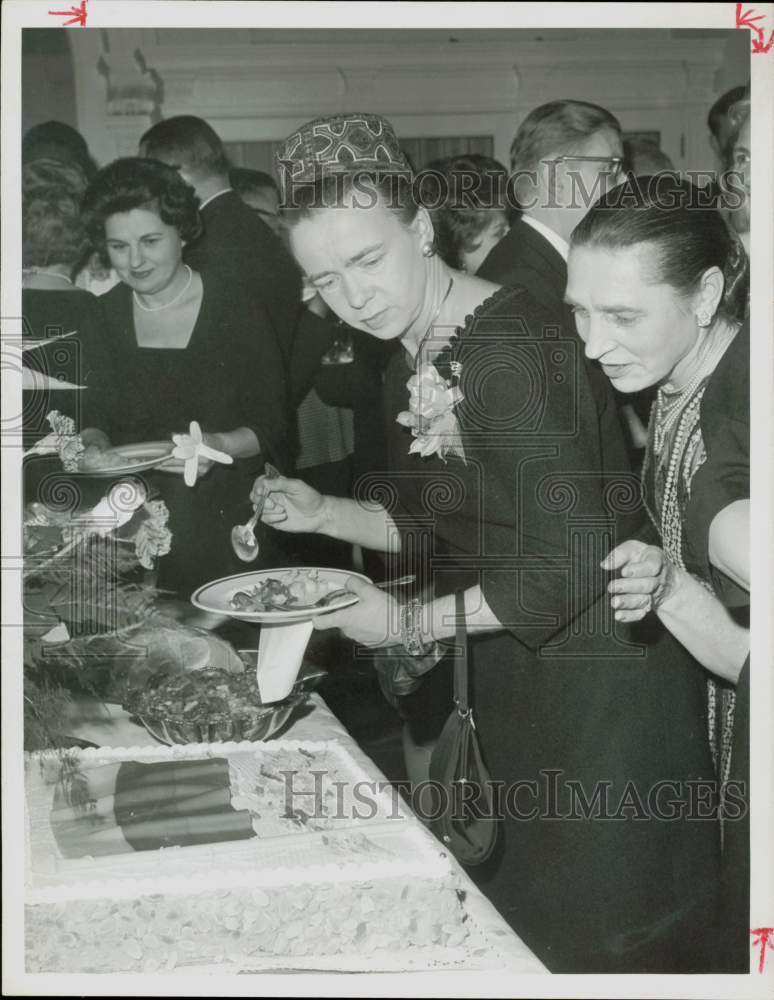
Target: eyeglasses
{"x":615,"y":163}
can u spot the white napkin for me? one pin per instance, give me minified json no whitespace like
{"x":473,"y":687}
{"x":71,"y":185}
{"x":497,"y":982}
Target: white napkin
{"x":190,"y":446}
{"x":280,"y":654}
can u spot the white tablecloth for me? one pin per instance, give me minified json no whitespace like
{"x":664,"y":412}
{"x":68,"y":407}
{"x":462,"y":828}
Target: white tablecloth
{"x":110,"y":725}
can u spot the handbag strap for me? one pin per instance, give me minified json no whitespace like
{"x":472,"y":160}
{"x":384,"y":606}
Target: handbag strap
{"x":461,"y":657}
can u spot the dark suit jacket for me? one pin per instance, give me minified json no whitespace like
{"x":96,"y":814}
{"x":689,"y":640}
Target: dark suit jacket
{"x":524,"y":257}
{"x":238,"y":243}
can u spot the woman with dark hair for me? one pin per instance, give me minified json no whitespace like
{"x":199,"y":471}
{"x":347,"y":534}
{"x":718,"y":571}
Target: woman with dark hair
{"x":508,"y":476}
{"x":465,"y":196}
{"x":659,"y":290}
{"x":184,"y":351}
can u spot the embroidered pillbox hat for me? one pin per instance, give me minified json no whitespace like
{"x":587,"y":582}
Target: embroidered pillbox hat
{"x":339,"y":144}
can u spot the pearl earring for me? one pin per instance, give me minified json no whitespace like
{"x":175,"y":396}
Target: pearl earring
{"x":703,"y":317}
{"x":428,"y":250}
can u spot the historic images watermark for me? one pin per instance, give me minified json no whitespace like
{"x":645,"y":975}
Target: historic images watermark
{"x":551,"y":796}
{"x":557,"y":186}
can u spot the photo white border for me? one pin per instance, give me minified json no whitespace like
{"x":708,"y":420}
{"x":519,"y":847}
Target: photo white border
{"x":159,"y":13}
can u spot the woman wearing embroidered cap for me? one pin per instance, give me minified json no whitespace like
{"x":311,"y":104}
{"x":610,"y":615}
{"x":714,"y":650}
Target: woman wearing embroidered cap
{"x":508,"y":478}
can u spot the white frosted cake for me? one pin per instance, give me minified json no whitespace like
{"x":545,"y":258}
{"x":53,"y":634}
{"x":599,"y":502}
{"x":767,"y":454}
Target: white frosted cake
{"x":240,"y":855}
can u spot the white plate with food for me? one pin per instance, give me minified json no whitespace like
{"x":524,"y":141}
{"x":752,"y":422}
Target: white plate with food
{"x":274,"y":596}
{"x":123,"y":458}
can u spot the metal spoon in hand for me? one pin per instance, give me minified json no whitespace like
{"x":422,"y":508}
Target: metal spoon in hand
{"x":243,"y":540}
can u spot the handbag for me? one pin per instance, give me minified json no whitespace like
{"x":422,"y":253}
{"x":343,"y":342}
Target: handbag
{"x":466,"y":824}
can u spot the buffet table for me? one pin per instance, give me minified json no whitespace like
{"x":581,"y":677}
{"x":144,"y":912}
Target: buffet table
{"x":498,"y":950}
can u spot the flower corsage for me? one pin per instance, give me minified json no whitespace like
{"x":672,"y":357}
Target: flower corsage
{"x":430,"y":416}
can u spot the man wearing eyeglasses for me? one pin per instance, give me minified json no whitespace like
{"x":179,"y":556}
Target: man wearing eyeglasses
{"x":563,"y":157}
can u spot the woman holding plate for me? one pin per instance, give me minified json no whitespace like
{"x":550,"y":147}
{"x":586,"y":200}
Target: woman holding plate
{"x":509,"y":473}
{"x":184,"y":350}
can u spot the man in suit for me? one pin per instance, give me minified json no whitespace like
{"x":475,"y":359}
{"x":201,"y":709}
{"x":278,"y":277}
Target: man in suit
{"x":563,"y":157}
{"x":237,"y":242}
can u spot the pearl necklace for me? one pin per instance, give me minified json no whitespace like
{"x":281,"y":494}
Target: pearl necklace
{"x":50,"y":274}
{"x":669,"y":405}
{"x":180,"y":294}
{"x":671,"y":516}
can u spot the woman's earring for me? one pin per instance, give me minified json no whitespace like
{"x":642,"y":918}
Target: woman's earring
{"x":704,"y":317}
{"x":428,"y":250}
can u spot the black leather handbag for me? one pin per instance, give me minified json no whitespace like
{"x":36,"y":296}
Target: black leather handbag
{"x":467,"y":819}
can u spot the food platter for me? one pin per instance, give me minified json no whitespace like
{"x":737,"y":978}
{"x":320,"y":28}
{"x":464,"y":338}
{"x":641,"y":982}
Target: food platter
{"x":217,"y":596}
{"x":130,"y":458}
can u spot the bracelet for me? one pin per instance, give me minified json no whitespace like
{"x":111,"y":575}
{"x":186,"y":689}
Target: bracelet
{"x":411,"y":615}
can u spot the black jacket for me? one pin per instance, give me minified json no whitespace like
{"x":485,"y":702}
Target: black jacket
{"x":238,"y":243}
{"x":525,"y":257}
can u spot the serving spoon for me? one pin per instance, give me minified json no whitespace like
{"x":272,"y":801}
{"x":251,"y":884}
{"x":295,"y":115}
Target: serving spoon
{"x":243,"y":540}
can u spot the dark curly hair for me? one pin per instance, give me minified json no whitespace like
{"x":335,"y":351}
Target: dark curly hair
{"x":687,"y":235}
{"x":460,"y":193}
{"x":53,"y":230}
{"x":134,"y":182}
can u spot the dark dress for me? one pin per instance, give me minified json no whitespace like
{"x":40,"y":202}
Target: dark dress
{"x":230,"y":375}
{"x":568,"y":703}
{"x":236,"y":244}
{"x":722,"y":479}
{"x":80,"y":360}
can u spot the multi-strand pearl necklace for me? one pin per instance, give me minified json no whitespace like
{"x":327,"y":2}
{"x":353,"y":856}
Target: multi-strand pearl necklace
{"x":684,"y":410}
{"x":669,"y":405}
{"x":671,"y":516}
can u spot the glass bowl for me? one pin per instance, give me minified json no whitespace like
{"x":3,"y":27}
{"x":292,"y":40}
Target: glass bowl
{"x":209,"y":706}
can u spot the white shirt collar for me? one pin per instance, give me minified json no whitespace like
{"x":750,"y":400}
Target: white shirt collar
{"x":559,"y":244}
{"x":212,"y":197}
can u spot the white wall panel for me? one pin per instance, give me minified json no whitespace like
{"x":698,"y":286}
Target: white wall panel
{"x":428,"y":86}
